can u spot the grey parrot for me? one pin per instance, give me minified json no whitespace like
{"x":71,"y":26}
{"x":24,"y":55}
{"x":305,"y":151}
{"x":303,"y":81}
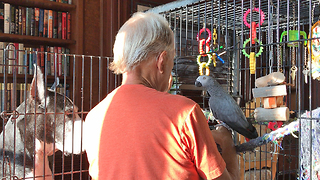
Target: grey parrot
{"x":224,"y":107}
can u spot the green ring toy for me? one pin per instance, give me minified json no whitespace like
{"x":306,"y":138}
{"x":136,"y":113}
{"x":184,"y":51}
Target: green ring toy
{"x":244,"y":46}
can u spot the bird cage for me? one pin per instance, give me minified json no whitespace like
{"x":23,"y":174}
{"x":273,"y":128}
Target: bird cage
{"x":253,"y":48}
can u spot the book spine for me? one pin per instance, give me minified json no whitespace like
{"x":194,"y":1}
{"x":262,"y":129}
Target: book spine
{"x":12,"y":18}
{"x":59,"y":25}
{"x":28,"y":21}
{"x":64,"y":25}
{"x":31,"y":56}
{"x":21,"y":58}
{"x":50,"y":24}
{"x":56,"y":61}
{"x":48,"y":59}
{"x":41,"y":15}
{"x":1,"y":17}
{"x":41,"y":57}
{"x":55,"y":24}
{"x":7,"y":21}
{"x":45,"y":23}
{"x":68,"y":61}
{"x":52,"y":59}
{"x":59,"y":62}
{"x":2,"y":46}
{"x":32,"y":22}
{"x":16,"y":26}
{"x":20,"y":21}
{"x":36,"y":21}
{"x":63,"y":60}
{"x":24,"y":21}
{"x":68,"y":25}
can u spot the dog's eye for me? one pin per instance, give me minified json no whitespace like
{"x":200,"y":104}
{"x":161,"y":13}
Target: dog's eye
{"x":70,"y":113}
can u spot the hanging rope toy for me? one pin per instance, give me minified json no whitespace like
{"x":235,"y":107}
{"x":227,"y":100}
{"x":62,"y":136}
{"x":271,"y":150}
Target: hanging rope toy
{"x":204,"y":64}
{"x":262,"y":17}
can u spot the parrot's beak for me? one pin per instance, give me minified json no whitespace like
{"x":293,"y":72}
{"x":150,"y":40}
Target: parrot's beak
{"x":198,"y":84}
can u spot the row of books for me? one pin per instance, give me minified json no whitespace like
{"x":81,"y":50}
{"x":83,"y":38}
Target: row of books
{"x":35,"y":21}
{"x":20,"y":59}
{"x":63,"y":1}
{"x":15,"y":94}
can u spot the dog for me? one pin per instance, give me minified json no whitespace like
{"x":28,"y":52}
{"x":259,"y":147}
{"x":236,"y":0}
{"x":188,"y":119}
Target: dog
{"x":47,"y":122}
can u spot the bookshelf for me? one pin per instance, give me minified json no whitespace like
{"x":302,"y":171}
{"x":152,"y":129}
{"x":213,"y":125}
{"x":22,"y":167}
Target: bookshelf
{"x":74,"y":43}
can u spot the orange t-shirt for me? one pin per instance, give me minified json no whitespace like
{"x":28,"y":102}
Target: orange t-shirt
{"x":139,"y":133}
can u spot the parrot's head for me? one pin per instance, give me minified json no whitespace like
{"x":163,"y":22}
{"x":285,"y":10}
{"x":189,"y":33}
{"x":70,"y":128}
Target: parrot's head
{"x":205,"y":81}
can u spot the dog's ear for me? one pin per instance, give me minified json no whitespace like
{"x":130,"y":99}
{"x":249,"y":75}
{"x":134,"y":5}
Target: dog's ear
{"x":37,"y":85}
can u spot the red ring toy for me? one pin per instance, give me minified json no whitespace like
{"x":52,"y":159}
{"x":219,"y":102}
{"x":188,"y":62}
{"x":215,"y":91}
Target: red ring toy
{"x":201,"y":31}
{"x":256,"y":10}
{"x":201,"y":43}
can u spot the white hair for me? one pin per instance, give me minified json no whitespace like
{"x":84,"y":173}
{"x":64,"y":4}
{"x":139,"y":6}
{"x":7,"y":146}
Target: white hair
{"x":143,"y":36}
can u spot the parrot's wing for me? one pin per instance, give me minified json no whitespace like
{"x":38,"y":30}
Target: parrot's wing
{"x":225,"y":108}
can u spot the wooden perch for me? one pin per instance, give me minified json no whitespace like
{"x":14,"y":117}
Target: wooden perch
{"x":272,"y":79}
{"x":279,"y":90}
{"x":276,"y":114}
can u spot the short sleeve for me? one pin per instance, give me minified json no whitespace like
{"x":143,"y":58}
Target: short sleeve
{"x":200,"y":146}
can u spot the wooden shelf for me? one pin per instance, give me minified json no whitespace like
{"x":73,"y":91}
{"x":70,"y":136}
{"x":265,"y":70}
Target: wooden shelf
{"x":44,"y":4}
{"x":35,"y":40}
{"x":21,"y":78}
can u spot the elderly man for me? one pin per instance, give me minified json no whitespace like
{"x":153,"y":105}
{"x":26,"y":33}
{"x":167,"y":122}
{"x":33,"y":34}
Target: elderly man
{"x":139,"y":131}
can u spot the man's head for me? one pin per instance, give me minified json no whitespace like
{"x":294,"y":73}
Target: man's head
{"x":143,"y":37}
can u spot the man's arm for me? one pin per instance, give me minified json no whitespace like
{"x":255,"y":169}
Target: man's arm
{"x":223,"y":137}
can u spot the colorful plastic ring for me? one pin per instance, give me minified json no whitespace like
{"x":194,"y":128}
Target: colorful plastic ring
{"x":201,"y":31}
{"x":244,"y":46}
{"x":201,"y":43}
{"x":207,"y":63}
{"x":256,"y":10}
{"x":203,"y":65}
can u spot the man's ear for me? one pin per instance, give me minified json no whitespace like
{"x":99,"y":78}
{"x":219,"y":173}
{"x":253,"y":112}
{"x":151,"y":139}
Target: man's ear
{"x":161,"y":61}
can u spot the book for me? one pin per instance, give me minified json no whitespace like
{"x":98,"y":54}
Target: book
{"x":2,"y":46}
{"x":20,"y":58}
{"x":68,"y":25}
{"x":1,"y":17}
{"x":32,"y":21}
{"x":68,"y":61}
{"x":41,"y":15}
{"x":59,"y":67}
{"x":30,"y":60}
{"x":59,"y":25}
{"x":55,"y":24}
{"x":20,"y":21}
{"x":28,"y":21}
{"x":24,"y":21}
{"x":40,"y":57}
{"x":16,"y":20}
{"x":36,"y":21}
{"x":11,"y":57}
{"x":45,"y":23}
{"x":7,"y":21}
{"x":48,"y":60}
{"x":50,"y":24}
{"x":64,"y":25}
{"x":52,"y":60}
{"x":12,"y":19}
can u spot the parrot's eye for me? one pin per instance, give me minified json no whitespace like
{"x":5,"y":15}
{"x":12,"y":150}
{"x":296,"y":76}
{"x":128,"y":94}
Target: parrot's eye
{"x":204,"y":78}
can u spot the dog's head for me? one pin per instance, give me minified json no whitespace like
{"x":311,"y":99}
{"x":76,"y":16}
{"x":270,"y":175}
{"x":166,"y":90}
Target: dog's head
{"x":52,"y":118}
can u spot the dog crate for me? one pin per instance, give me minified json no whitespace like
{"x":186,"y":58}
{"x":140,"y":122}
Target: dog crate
{"x":239,"y":42}
{"x":64,"y":73}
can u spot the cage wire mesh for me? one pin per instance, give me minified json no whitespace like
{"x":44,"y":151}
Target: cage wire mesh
{"x":248,"y":40}
{"x":78,"y":77}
